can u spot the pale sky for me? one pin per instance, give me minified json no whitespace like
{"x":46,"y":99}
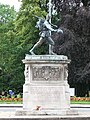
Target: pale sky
{"x":11,"y":3}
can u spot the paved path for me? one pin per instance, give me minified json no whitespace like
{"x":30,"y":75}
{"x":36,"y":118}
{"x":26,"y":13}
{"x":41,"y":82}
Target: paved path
{"x":8,"y":110}
{"x":20,"y":105}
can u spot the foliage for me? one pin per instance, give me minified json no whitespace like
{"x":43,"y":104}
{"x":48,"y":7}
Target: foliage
{"x":26,"y":35}
{"x":25,"y":23}
{"x":10,"y":100}
{"x":19,"y":100}
{"x":6,"y":13}
{"x":7,"y":48}
{"x":80,"y":99}
{"x":17,"y":35}
{"x":70,"y":6}
{"x":75,"y":42}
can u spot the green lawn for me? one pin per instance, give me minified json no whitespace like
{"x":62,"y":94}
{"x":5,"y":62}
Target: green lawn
{"x":80,"y":102}
{"x":72,"y":102}
{"x":4,"y":102}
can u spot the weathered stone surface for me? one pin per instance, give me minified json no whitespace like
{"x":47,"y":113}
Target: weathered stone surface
{"x":46,"y":90}
{"x":46,"y":118}
{"x":47,"y":97}
{"x":45,"y":57}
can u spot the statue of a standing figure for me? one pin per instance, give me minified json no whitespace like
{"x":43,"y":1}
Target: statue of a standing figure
{"x":45,"y":28}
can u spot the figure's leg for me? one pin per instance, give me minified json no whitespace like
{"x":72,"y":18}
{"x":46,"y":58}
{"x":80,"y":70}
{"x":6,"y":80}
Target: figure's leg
{"x":41,"y":40}
{"x":51,"y":51}
{"x":51,"y":43}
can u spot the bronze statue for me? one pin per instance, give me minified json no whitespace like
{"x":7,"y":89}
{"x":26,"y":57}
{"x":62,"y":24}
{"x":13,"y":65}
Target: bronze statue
{"x":45,"y":28}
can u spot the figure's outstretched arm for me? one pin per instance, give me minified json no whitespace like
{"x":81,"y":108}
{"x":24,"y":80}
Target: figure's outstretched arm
{"x":60,"y":30}
{"x":51,"y":29}
{"x":49,"y":26}
{"x":53,"y":25}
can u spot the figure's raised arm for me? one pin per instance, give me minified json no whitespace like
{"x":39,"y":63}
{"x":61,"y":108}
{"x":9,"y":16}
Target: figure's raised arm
{"x":51,"y":29}
{"x":49,"y":26}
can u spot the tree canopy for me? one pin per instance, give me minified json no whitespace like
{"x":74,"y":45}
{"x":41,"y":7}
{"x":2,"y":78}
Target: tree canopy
{"x":75,"y":42}
{"x":25,"y":22}
{"x":7,"y":15}
{"x":18,"y":34}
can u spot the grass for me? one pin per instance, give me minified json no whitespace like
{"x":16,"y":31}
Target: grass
{"x":80,"y":102}
{"x":6,"y":102}
{"x":20,"y":102}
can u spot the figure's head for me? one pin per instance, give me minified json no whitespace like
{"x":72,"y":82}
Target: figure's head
{"x":40,"y":23}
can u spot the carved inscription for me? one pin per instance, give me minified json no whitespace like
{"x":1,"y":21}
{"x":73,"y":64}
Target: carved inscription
{"x":47,"y":73}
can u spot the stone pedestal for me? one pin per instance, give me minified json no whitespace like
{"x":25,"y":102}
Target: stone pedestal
{"x":46,"y":90}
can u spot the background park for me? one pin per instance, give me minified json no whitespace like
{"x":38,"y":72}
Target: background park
{"x":18,"y":34}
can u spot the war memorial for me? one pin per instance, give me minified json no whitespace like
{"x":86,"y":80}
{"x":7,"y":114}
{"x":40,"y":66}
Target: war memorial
{"x":46,"y":90}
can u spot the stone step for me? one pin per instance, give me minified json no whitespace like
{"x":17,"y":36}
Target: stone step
{"x":47,"y":118}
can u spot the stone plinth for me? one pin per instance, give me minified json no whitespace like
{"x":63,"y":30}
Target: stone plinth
{"x":46,"y":90}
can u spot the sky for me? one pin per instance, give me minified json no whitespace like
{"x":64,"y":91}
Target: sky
{"x":11,"y":3}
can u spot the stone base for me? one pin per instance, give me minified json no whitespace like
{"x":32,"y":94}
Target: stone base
{"x":44,"y":97}
{"x":46,"y":90}
{"x":46,"y":112}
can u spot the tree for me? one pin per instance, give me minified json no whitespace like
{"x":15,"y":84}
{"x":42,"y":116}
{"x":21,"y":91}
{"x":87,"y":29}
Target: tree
{"x":75,"y":42}
{"x":25,"y":22}
{"x":7,"y":15}
{"x":17,"y":34}
{"x":23,"y":35}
